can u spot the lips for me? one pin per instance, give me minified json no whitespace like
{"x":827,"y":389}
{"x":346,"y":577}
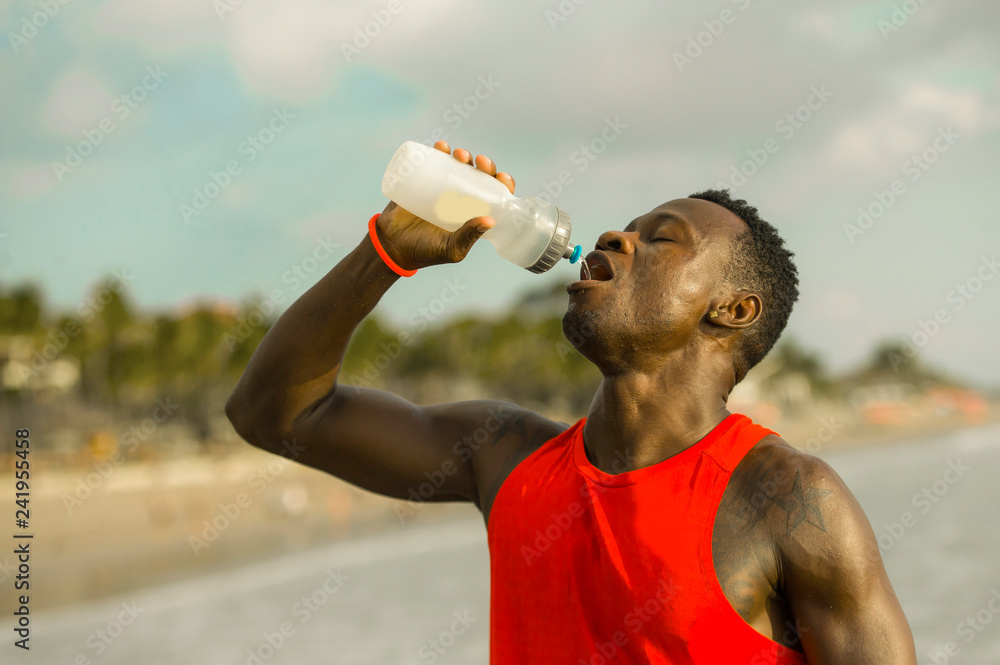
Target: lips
{"x":600,"y":267}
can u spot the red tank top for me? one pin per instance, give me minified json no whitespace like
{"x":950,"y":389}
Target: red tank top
{"x":592,"y":568}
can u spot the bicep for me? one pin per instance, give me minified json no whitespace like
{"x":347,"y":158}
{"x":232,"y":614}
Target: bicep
{"x":388,"y":445}
{"x":836,"y":584}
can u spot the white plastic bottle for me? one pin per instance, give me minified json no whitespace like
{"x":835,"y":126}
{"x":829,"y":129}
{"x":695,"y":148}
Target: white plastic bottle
{"x":434,"y":186}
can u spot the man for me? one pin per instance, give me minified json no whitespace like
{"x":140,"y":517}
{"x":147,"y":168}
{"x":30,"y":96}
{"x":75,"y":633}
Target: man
{"x":658,"y":529}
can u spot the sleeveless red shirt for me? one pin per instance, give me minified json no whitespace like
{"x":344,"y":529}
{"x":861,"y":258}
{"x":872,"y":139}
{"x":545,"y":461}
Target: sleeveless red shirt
{"x":592,"y":568}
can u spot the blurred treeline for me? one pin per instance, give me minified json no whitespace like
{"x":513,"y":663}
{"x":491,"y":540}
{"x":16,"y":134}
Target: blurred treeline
{"x":107,"y":362}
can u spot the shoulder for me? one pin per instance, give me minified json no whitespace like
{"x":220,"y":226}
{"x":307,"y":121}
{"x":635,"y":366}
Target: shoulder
{"x":489,"y":422}
{"x":798,"y":488}
{"x":816,"y":524}
{"x":491,"y":435}
{"x":780,"y":463}
{"x":759,"y":487}
{"x":494,"y":437}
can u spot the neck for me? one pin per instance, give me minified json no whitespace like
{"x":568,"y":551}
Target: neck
{"x":640,"y":418}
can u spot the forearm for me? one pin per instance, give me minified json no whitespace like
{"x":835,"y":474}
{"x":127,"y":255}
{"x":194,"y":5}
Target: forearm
{"x":296,"y":364}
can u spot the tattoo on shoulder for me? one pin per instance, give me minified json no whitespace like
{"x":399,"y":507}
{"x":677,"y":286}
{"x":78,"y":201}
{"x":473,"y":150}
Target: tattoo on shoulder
{"x":767,"y":484}
{"x":802,"y":503}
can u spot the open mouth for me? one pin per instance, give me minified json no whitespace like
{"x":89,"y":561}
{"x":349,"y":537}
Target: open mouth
{"x":598,"y":266}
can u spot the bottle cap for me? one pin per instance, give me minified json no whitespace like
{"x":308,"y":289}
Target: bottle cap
{"x":557,"y":246}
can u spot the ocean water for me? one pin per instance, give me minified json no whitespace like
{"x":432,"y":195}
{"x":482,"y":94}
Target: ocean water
{"x":421,"y":595}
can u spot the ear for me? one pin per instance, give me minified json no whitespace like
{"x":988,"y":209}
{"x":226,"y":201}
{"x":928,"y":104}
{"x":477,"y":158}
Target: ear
{"x":736,"y":314}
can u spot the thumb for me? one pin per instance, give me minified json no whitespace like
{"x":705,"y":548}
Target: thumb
{"x":463,"y":238}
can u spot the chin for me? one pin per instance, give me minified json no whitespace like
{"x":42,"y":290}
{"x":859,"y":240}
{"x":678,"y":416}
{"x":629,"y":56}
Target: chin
{"x":586,"y":330}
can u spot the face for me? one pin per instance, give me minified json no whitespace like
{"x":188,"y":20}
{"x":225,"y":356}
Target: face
{"x":653,"y":283}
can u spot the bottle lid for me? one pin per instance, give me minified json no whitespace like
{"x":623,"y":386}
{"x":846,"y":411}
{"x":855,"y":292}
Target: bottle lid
{"x":557,"y":245}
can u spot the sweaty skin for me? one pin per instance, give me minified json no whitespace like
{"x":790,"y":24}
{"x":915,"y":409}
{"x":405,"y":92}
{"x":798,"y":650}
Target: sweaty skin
{"x":794,"y":553}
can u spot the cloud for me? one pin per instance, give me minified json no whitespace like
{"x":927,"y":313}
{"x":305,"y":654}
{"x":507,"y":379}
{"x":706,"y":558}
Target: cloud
{"x":78,"y":100}
{"x":289,"y":50}
{"x":963,"y":107}
{"x":889,"y":133}
{"x":164,"y":27}
{"x":28,"y":181}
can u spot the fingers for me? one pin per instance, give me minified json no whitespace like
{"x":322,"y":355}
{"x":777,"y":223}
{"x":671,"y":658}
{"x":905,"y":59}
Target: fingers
{"x":486,"y":165}
{"x":462,"y":240}
{"x":460,"y":154}
{"x":481,"y":162}
{"x":506,"y":179}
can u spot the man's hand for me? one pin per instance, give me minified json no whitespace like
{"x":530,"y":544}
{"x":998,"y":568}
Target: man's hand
{"x":415,"y":243}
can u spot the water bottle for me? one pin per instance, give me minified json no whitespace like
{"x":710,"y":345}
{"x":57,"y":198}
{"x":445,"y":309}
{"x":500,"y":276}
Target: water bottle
{"x":436,"y":187}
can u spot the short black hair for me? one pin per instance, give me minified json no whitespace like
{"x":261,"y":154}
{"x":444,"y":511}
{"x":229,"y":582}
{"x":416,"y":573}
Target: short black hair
{"x":762,"y":264}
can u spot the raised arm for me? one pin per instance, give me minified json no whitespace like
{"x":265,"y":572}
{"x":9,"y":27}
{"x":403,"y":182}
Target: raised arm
{"x":288,"y":401}
{"x":845,"y":609}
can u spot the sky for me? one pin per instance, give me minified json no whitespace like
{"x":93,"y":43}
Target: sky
{"x":229,"y":149}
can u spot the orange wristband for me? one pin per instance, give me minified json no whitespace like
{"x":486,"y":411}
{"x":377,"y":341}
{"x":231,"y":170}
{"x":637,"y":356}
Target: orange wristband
{"x":402,"y":272}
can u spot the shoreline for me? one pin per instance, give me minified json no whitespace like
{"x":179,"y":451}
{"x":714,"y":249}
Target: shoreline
{"x":151,"y":523}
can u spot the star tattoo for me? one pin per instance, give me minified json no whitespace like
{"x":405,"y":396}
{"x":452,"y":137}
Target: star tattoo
{"x":802,"y":505}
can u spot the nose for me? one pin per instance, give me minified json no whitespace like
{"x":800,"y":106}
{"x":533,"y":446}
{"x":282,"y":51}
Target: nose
{"x":615,"y":241}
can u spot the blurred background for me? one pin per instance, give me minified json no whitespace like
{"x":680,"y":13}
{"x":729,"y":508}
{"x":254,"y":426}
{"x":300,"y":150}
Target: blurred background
{"x":173,"y":174}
